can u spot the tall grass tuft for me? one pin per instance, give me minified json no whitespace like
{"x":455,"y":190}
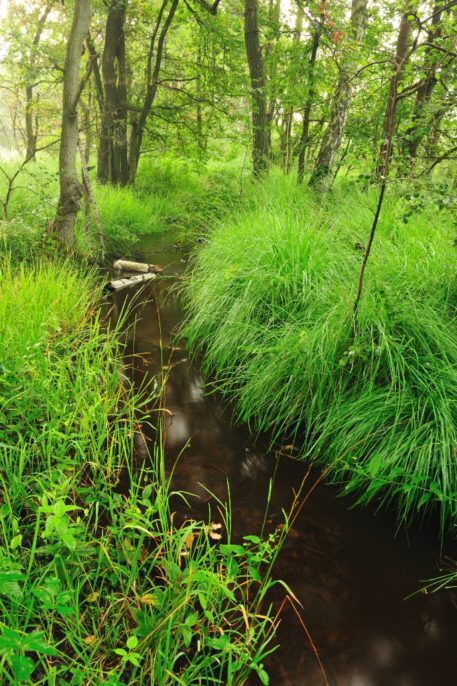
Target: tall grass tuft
{"x":98,"y":583}
{"x":270,"y":303}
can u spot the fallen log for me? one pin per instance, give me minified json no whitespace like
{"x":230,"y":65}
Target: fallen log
{"x":127,"y":281}
{"x":127,"y":266}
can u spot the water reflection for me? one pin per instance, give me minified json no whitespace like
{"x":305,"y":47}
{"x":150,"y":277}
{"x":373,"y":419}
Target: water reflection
{"x":349,"y":572}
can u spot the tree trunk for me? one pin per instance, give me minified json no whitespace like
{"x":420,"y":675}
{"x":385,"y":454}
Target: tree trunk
{"x":390,"y":117}
{"x":417,"y":130}
{"x":333,"y":136}
{"x":304,"y":138}
{"x":271,"y":61}
{"x":71,"y":189}
{"x":260,"y":133}
{"x":387,"y":146}
{"x":31,"y":131}
{"x":289,"y":111}
{"x":112,"y":154}
{"x":138,"y":125}
{"x":201,"y":137}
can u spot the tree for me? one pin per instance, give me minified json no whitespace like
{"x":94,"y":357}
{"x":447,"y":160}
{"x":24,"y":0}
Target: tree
{"x":432,"y":63}
{"x":113,"y":148}
{"x":401,"y":54}
{"x":71,"y":189}
{"x":288,"y":116}
{"x":154,"y":61}
{"x":390,"y":116}
{"x":259,"y":111}
{"x":31,"y":128}
{"x":304,"y":138}
{"x":333,"y":136}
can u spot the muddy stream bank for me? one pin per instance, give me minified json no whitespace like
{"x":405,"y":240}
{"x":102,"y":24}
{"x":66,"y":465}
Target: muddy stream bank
{"x":347,"y":567}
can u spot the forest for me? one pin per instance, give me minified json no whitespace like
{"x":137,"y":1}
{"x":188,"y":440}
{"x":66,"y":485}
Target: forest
{"x":228,"y":342}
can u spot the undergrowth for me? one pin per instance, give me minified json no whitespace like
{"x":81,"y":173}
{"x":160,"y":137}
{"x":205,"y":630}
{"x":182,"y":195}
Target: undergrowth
{"x":98,"y":584}
{"x":170,"y":196}
{"x":271,"y":304}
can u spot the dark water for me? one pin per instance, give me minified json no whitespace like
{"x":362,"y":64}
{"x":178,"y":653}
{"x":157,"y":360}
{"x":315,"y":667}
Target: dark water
{"x":347,"y":567}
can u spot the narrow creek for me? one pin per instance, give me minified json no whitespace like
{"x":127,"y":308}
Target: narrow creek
{"x":347,"y":566}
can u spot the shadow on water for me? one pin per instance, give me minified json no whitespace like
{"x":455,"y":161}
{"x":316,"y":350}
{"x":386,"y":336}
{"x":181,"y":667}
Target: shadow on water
{"x":345,"y":565}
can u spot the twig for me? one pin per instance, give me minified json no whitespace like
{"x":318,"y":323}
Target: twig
{"x":310,"y":639}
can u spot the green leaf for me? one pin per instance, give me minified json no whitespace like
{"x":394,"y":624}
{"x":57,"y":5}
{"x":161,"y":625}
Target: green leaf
{"x":69,"y":540}
{"x":191,"y":620}
{"x":22,"y":667}
{"x":263,"y":676}
{"x":231,"y":549}
{"x":187,"y":636}
{"x":9,"y":583}
{"x":423,"y":499}
{"x":135,"y":659}
{"x":37,"y":643}
{"x":4,"y":510}
{"x":16,"y":541}
{"x":132,"y":642}
{"x":254,"y":573}
{"x":203,"y":601}
{"x":374,"y":464}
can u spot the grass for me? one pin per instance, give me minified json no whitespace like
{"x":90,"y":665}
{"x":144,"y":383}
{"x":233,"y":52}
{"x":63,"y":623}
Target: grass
{"x":98,"y":583}
{"x":270,"y":302}
{"x":170,"y":196}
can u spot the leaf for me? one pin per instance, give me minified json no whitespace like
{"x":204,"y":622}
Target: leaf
{"x":149,"y":599}
{"x":37,"y":643}
{"x":218,"y":642}
{"x":263,"y":676}
{"x":187,"y":636}
{"x":254,"y":573}
{"x":423,"y":499}
{"x":90,"y":640}
{"x":203,"y":601}
{"x":16,"y":541}
{"x":135,"y":659}
{"x":191,"y":620}
{"x":231,"y":549}
{"x":4,"y":510}
{"x":132,"y":642}
{"x":190,"y":539}
{"x":374,"y":464}
{"x":9,"y":585}
{"x":69,"y":540}
{"x":22,"y":667}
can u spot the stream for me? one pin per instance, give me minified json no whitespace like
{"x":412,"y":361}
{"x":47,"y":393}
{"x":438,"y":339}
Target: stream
{"x":350,"y":568}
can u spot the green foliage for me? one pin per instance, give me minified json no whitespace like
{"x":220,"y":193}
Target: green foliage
{"x":270,"y":302}
{"x":99,"y":584}
{"x":171,"y":196}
